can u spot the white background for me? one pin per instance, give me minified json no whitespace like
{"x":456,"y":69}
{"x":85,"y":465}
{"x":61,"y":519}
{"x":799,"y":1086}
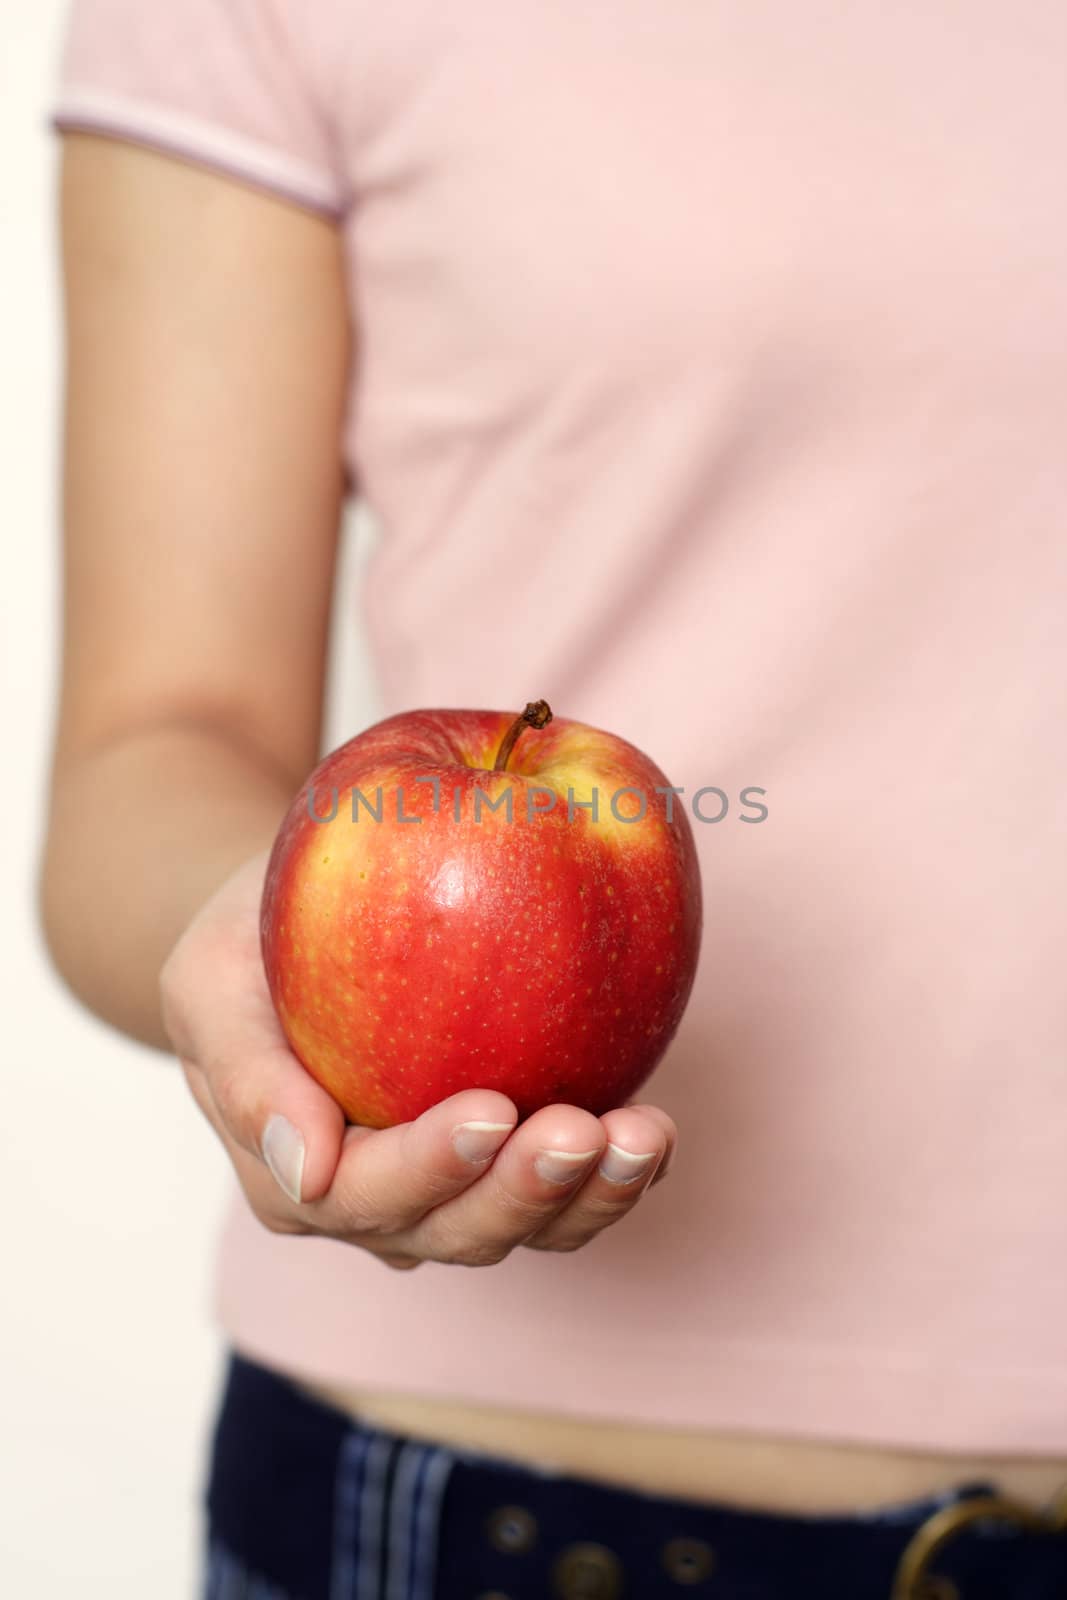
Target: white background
{"x":111,"y":1187}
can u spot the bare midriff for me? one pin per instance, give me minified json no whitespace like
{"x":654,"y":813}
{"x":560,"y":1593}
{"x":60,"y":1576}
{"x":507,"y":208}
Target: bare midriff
{"x":756,"y":1472}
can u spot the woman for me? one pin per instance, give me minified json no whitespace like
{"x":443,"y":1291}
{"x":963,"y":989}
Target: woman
{"x":704,"y":367}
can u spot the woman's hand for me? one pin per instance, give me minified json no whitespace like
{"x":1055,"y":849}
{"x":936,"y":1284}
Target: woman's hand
{"x":459,"y":1184}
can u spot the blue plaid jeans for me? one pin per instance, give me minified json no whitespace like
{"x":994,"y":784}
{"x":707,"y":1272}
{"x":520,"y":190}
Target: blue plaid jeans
{"x":304,"y":1503}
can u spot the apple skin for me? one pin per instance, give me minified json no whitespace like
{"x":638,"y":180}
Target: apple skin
{"x":547,"y":957}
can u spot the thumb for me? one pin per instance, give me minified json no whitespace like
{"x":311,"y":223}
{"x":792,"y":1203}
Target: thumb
{"x":272,"y":1107}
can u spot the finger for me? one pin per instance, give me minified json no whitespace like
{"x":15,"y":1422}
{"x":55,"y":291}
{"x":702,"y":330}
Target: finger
{"x":267,"y":1199}
{"x":637,"y":1145}
{"x":218,"y":1014}
{"x":670,"y":1128}
{"x":272,"y":1108}
{"x":531,"y":1179}
{"x":389,"y":1178}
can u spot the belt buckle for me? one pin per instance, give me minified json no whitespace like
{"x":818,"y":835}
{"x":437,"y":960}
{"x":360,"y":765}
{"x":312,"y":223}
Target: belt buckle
{"x":913,"y":1579}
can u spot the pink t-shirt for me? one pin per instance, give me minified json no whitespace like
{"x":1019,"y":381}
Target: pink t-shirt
{"x":713,"y":384}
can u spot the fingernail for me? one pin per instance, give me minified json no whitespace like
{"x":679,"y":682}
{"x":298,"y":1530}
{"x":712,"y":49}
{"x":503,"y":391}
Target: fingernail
{"x":620,"y":1166}
{"x":562,"y":1166}
{"x":283,"y":1151}
{"x":477,"y":1141}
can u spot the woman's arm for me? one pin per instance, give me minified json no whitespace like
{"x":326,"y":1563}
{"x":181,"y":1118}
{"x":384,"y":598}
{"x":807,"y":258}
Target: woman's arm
{"x":207,"y":360}
{"x":207,"y":353}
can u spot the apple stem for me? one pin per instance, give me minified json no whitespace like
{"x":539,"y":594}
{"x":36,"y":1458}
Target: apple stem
{"x":538,"y":714}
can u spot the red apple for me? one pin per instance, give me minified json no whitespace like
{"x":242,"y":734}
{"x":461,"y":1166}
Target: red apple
{"x":418,"y":942}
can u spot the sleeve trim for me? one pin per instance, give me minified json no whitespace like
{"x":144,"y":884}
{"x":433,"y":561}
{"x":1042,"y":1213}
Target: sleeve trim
{"x":207,"y":144}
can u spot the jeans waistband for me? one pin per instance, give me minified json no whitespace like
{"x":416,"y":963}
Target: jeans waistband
{"x":309,"y":1504}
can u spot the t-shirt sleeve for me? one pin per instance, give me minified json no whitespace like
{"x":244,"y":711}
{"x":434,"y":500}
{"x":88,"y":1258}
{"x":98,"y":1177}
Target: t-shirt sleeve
{"x":224,"y":83}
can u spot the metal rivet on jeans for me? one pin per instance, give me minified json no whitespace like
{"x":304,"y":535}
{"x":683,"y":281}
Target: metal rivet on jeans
{"x":687,"y":1561}
{"x":587,"y":1572}
{"x":511,"y":1529}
